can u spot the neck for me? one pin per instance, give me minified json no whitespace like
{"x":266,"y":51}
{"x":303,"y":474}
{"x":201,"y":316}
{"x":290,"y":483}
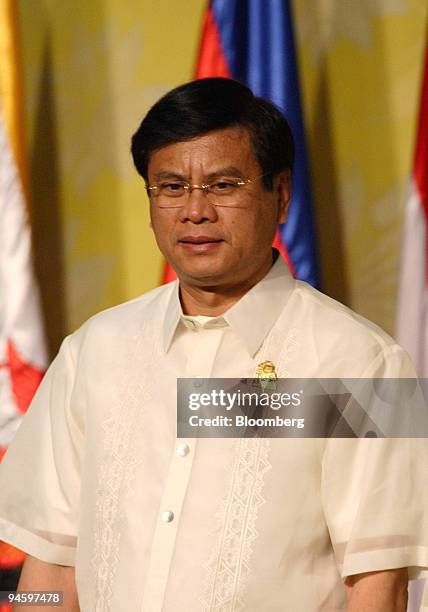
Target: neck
{"x":213,"y":301}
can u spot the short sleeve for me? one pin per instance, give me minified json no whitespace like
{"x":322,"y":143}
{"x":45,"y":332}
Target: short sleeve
{"x":40,"y":473}
{"x":375,"y":501}
{"x":375,"y":493}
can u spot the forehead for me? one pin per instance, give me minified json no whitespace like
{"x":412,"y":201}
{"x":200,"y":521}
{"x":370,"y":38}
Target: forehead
{"x":215,"y":150}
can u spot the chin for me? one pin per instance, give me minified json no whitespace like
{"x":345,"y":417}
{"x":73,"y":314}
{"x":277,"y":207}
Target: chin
{"x":202,"y":274}
{"x":202,"y":266}
{"x":203,"y":278}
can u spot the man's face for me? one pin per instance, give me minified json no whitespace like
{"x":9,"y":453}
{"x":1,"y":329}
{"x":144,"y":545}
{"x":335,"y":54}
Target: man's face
{"x":210,"y":245}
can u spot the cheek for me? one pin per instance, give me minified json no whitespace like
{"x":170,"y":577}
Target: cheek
{"x":159,"y":219}
{"x":254,"y":227}
{"x":162,"y":226}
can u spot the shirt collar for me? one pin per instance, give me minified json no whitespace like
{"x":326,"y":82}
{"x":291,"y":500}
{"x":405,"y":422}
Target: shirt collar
{"x":252,"y":317}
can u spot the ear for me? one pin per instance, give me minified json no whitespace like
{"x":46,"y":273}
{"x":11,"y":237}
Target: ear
{"x":283,"y":190}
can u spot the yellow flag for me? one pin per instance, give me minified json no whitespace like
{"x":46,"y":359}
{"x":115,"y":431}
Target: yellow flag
{"x":11,"y":86}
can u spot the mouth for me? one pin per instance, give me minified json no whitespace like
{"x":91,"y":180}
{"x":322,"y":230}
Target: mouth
{"x":199,"y":244}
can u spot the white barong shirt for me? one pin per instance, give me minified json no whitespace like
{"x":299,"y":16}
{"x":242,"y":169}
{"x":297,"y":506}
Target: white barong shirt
{"x":97,"y":478}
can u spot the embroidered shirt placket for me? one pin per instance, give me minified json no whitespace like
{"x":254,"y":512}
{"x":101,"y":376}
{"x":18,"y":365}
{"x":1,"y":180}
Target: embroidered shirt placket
{"x":199,"y":365}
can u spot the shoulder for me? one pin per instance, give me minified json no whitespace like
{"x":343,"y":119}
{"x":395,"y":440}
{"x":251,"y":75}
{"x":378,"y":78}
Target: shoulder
{"x":119,"y":325}
{"x":343,"y":339}
{"x":337,"y":317}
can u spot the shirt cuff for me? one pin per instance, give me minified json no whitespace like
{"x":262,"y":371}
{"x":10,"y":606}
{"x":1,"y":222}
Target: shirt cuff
{"x":36,"y":546}
{"x":415,"y":558}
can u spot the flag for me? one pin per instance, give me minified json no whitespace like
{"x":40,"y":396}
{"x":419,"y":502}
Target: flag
{"x":252,"y":41}
{"x":22,"y":348}
{"x":412,"y":303}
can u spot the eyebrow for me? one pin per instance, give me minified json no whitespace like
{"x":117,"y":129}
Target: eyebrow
{"x":232,"y":171}
{"x":227,"y":171}
{"x":165,"y":174}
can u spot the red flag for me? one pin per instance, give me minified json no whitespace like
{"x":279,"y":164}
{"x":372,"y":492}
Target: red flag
{"x":412,"y":305}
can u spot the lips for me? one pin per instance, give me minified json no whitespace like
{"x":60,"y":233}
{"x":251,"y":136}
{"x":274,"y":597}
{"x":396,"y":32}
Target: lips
{"x":199,"y":239}
{"x":200,"y":245}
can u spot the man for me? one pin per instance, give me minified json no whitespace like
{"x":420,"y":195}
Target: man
{"x":97,"y":479}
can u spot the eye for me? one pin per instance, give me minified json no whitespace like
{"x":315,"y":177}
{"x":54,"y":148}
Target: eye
{"x":172,"y":189}
{"x":224,"y":186}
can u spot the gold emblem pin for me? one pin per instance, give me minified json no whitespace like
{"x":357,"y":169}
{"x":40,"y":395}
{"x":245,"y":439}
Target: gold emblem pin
{"x":266,"y":371}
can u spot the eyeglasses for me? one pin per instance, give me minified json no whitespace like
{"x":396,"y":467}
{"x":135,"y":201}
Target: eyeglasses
{"x":223,"y":192}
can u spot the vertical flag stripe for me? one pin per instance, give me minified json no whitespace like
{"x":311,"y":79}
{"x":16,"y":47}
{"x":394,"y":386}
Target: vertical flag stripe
{"x":412,"y":302}
{"x":211,"y":60}
{"x":421,"y":153}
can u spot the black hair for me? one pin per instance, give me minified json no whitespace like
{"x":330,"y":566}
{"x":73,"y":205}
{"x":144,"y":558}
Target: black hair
{"x":201,"y":106}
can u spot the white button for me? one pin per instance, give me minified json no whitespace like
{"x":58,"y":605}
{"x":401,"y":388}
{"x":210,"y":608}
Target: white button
{"x":168,"y":516}
{"x":183,"y":450}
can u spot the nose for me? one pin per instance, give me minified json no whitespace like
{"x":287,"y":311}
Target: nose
{"x":197,"y":207}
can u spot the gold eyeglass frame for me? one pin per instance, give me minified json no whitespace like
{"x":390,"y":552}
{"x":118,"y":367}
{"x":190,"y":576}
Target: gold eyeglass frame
{"x":189,"y":187}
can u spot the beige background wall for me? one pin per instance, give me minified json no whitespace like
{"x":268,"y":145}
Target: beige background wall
{"x":91,"y":71}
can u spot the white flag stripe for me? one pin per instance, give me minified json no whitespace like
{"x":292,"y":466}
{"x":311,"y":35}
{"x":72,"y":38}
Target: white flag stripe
{"x":20,"y":320}
{"x":412,"y":301}
{"x":19,"y":301}
{"x":411,"y":328}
